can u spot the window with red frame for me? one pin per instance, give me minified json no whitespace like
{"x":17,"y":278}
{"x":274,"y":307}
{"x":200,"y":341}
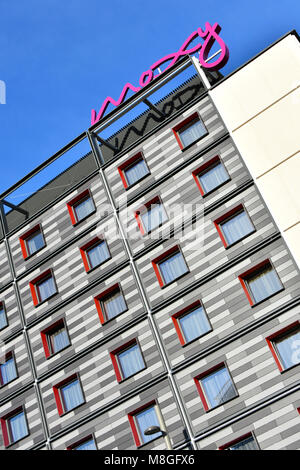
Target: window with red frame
{"x":215,"y":387}
{"x":285,"y":346}
{"x":170,"y":266}
{"x":87,"y":443}
{"x":189,"y":131}
{"x":142,"y":419}
{"x":110,"y":303}
{"x":210,"y":176}
{"x":3,"y":318}
{"x":133,"y":170}
{"x":55,"y":338}
{"x":234,"y":226}
{"x":81,"y":206}
{"x":32,"y":241}
{"x":14,"y":427}
{"x":43,"y":287}
{"x":260,"y":282}
{"x":191,"y":323}
{"x":127,"y":360}
{"x":8,"y":370}
{"x":151,"y":215}
{"x":94,"y":253}
{"x":246,"y":442}
{"x":68,"y":394}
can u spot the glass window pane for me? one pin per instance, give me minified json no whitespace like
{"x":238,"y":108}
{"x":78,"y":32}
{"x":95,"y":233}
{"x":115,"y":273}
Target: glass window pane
{"x":114,"y":305}
{"x":131,"y":361}
{"x":245,"y":444}
{"x":194,"y":324}
{"x":173,"y":267}
{"x":46,"y":288}
{"x":154,"y":217}
{"x":288,"y":347}
{"x":3,"y":320}
{"x":18,"y":427}
{"x":192,"y":133}
{"x":98,"y":254}
{"x":35,"y":242}
{"x":87,"y":445}
{"x":59,"y":339}
{"x":145,"y":419}
{"x":264,"y":284}
{"x":8,"y":371}
{"x":213,"y":177}
{"x":218,"y":387}
{"x":136,"y":172}
{"x":237,"y":227}
{"x":72,"y":395}
{"x":84,"y":208}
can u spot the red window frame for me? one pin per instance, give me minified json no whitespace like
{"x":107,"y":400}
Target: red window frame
{"x":128,"y":163}
{"x":6,"y":426}
{"x":176,"y":130}
{"x":102,"y":296}
{"x":228,"y":215}
{"x":237,"y":440}
{"x":72,"y":203}
{"x":143,"y":210}
{"x":131,"y":419}
{"x":6,"y":357}
{"x":176,"y":317}
{"x":197,"y":381}
{"x":23,"y":240}
{"x":58,"y":396}
{"x":82,"y":441}
{"x":83,"y":251}
{"x":278,"y":335}
{"x":45,"y":335}
{"x":34,"y":286}
{"x":252,"y":271}
{"x":114,"y":359}
{"x":203,"y":168}
{"x":155,"y":263}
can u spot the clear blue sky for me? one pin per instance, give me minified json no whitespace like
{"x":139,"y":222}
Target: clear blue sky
{"x":61,"y":58}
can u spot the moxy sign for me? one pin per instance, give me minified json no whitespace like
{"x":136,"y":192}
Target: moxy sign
{"x":210,"y":35}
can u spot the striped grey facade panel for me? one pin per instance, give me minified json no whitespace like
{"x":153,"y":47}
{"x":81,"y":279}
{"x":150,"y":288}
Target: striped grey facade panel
{"x":162,"y":152}
{"x":180,"y":195}
{"x":112,"y":429}
{"x":57,"y":226}
{"x":17,"y":346}
{"x":82,"y":321}
{"x":5,"y":273}
{"x":29,"y":402}
{"x":226,"y":304}
{"x":275,"y":427}
{"x":69,"y":272}
{"x":8,"y":299}
{"x":98,"y":379}
{"x":253,"y":369}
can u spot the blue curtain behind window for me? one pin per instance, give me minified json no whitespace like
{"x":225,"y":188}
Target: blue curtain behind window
{"x":264,"y":284}
{"x":287,"y":348}
{"x":8,"y":371}
{"x":98,"y":254}
{"x":237,"y":227}
{"x":87,"y":445}
{"x":136,"y":172}
{"x":173,"y":267}
{"x":114,"y":305}
{"x":3,"y":321}
{"x":84,"y":208}
{"x":192,"y":133}
{"x":46,"y":288}
{"x":246,"y":444}
{"x":18,"y":427}
{"x":145,"y":419}
{"x":154,"y":217}
{"x":213,"y":178}
{"x":194,"y":324}
{"x":59,"y":340}
{"x":218,"y":387}
{"x":72,"y":395}
{"x":35,"y":242}
{"x":131,"y":361}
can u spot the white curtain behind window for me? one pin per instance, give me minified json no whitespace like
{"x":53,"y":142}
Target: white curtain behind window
{"x":154,"y":217}
{"x":145,"y":419}
{"x":8,"y":371}
{"x":264,"y":284}
{"x":173,"y":267}
{"x":114,"y":305}
{"x":218,"y":387}
{"x":237,"y":227}
{"x":194,"y":324}
{"x":136,"y":172}
{"x":18,"y":427}
{"x":213,"y":178}
{"x":84,"y":208}
{"x":192,"y":133}
{"x":287,"y":348}
{"x":46,"y":288}
{"x":72,"y":395}
{"x":98,"y":254}
{"x":131,"y":361}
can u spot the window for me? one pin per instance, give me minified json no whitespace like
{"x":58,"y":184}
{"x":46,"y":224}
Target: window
{"x":151,"y":215}
{"x":55,"y":338}
{"x":189,"y":131}
{"x":285,"y":346}
{"x":110,"y":303}
{"x":68,"y":395}
{"x":43,"y":287}
{"x":127,"y":360}
{"x":215,"y":387}
{"x":3,"y":319}
{"x":133,"y":170}
{"x":211,"y":175}
{"x":260,"y":282}
{"x":143,"y":419}
{"x":32,"y":241}
{"x":191,"y":323}
{"x":170,"y":266}
{"x":81,"y":207}
{"x":88,"y":443}
{"x":14,"y":427}
{"x":234,"y":226}
{"x":246,"y":442}
{"x":8,"y":371}
{"x":94,"y":253}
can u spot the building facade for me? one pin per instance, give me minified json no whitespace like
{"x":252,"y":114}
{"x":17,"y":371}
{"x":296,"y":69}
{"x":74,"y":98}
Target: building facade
{"x":155,"y":282}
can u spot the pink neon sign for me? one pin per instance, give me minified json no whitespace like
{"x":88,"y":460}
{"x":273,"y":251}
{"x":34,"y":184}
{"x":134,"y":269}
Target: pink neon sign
{"x":210,"y":35}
